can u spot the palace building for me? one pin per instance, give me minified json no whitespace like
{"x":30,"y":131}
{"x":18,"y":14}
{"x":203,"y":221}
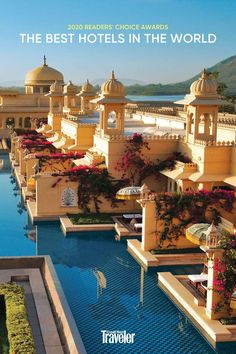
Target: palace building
{"x":29,"y":109}
{"x":211,"y":162}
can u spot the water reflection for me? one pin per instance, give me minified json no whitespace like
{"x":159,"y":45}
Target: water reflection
{"x":101,"y":281}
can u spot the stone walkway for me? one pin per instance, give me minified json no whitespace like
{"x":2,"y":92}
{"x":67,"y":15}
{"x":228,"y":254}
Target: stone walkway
{"x":33,"y":317}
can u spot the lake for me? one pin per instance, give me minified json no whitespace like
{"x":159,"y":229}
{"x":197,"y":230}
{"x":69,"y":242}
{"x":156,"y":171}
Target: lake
{"x":156,"y":98}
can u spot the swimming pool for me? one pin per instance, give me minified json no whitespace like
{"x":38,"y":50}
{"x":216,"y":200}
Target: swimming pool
{"x":105,"y":288}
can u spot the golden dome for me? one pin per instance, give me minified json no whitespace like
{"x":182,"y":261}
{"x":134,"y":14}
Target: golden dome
{"x":206,"y":85}
{"x":70,"y":88}
{"x":113,"y":87}
{"x":87,"y":87}
{"x":43,"y":75}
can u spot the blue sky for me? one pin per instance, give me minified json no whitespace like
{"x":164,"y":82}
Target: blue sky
{"x":149,"y":63}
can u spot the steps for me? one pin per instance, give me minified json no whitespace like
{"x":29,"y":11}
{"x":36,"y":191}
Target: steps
{"x":3,"y":145}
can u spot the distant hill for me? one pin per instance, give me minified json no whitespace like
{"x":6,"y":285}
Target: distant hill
{"x":125,"y":81}
{"x":226,"y":69}
{"x":17,"y":83}
{"x":20,"y":89}
{"x":227,"y":75}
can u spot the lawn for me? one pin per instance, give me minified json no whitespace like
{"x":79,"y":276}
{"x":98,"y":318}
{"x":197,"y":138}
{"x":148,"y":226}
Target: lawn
{"x":82,"y":219}
{"x":176,"y":250}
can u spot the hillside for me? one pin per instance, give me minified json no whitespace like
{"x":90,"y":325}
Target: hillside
{"x":226,"y":69}
{"x":227,"y":75}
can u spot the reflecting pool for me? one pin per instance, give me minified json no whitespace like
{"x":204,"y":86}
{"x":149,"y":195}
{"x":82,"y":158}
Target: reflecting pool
{"x":105,"y":288}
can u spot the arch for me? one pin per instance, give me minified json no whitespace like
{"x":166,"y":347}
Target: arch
{"x":27,"y":122}
{"x":112,"y":120}
{"x":175,"y":186}
{"x":68,"y":197}
{"x":20,"y":122}
{"x":10,"y":122}
{"x":72,"y":102}
{"x":201,"y":124}
{"x":56,"y":106}
{"x":85,"y":103}
{"x":207,"y":124}
{"x":36,"y":89}
{"x":46,"y":89}
{"x":180,"y":189}
{"x":190,"y":123}
{"x":211,"y":124}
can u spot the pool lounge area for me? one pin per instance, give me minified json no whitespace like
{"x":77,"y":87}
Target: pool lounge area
{"x":105,"y":288}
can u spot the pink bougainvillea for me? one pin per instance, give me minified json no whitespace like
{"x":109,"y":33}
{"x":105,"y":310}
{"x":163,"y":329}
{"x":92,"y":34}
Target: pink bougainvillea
{"x":225,"y":272}
{"x":60,"y":155}
{"x":136,"y":166}
{"x":93,"y":182}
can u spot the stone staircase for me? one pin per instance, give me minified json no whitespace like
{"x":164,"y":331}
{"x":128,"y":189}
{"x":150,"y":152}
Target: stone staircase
{"x":3,"y":145}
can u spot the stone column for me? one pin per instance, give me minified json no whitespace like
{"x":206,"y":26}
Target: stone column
{"x":149,"y":224}
{"x":214,"y":122}
{"x":212,"y":296}
{"x":17,"y":122}
{"x":206,"y":125}
{"x":4,"y":123}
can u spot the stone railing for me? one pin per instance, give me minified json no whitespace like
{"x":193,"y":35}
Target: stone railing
{"x":214,"y":143}
{"x":122,"y":137}
{"x":156,"y":112}
{"x":186,"y":166}
{"x":226,"y":121}
{"x":86,"y":124}
{"x":75,"y":122}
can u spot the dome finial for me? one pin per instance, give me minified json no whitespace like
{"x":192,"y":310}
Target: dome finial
{"x":44,"y":61}
{"x":113,"y":75}
{"x":204,"y":74}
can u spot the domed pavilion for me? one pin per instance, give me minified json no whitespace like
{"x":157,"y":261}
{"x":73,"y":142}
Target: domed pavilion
{"x":39,"y":80}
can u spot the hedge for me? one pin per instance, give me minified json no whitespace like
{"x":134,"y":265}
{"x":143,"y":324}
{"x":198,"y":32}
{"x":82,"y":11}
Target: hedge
{"x":19,"y":331}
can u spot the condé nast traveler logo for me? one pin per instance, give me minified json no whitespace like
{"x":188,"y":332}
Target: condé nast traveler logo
{"x":113,"y":337}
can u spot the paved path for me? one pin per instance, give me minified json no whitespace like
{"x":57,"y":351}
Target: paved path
{"x":33,"y":317}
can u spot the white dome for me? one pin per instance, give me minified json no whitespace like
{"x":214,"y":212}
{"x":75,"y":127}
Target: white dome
{"x":206,"y":85}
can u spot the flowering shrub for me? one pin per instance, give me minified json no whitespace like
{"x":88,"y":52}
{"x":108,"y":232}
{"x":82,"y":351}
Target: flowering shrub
{"x":136,"y":167}
{"x":22,"y":131}
{"x":60,"y":155}
{"x":37,"y":143}
{"x":190,"y":208}
{"x":32,"y":136}
{"x":225,"y":281}
{"x":93,"y":182}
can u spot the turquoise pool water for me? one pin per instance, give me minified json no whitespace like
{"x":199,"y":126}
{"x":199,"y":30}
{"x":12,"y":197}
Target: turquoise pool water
{"x":106,"y":289}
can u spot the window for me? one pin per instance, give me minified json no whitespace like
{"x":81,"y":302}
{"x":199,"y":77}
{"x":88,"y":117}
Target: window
{"x":36,"y":89}
{"x":46,"y":89}
{"x":111,"y":123}
{"x":68,"y":197}
{"x":10,"y":122}
{"x":27,"y":122}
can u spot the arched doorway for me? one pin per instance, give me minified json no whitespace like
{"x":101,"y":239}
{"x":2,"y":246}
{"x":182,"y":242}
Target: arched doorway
{"x":10,"y":122}
{"x":111,"y":123}
{"x":27,"y":122}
